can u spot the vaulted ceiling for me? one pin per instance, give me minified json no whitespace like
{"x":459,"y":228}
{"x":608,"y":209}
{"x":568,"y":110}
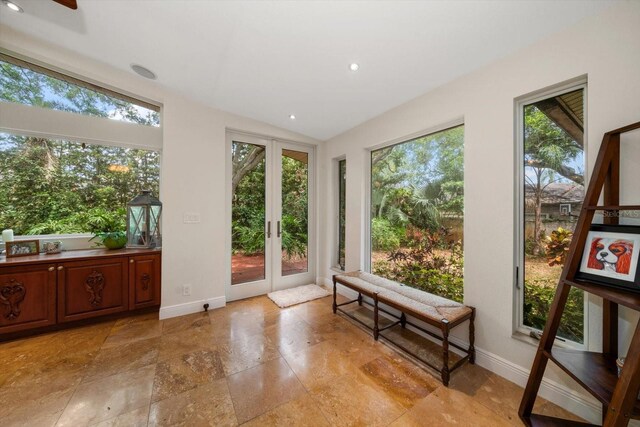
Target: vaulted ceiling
{"x":269,"y":59}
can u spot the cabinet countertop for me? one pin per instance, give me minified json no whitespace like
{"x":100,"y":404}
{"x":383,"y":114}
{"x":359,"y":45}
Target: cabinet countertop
{"x":74,"y":256}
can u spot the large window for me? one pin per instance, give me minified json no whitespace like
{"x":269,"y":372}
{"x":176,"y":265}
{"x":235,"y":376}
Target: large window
{"x":417,"y":211}
{"x":552,"y":183}
{"x":62,"y":187}
{"x":342,"y":210}
{"x":29,"y":84}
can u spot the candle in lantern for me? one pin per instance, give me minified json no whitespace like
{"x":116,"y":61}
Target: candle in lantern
{"x":7,"y":236}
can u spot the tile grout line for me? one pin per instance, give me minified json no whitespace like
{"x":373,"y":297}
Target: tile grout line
{"x":75,"y":390}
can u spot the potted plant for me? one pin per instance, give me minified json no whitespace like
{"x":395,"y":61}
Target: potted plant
{"x":111,"y":239}
{"x":108,"y":228}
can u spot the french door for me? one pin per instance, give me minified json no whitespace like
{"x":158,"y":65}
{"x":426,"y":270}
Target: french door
{"x":270,"y":199}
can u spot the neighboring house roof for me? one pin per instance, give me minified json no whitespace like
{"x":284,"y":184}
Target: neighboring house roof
{"x":559,"y":192}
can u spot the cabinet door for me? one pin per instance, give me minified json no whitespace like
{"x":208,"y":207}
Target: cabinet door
{"x":144,"y":281}
{"x":92,"y":288}
{"x":27,"y":297}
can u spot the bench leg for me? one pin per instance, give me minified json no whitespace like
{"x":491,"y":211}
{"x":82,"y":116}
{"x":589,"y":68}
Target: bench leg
{"x":376,"y":331}
{"x":403,"y":320}
{"x":445,"y":353}
{"x":335,"y":292}
{"x":472,"y":337}
{"x":359,"y":299}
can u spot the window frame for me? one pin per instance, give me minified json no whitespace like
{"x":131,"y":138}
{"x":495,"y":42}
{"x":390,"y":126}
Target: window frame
{"x":520,"y":330}
{"x":80,"y":81}
{"x":336,"y":252}
{"x":73,"y":241}
{"x":81,"y":121}
{"x":366,"y":244}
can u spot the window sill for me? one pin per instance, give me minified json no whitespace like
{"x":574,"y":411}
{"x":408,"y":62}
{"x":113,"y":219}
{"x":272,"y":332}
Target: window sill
{"x":69,"y":241}
{"x":336,"y":269}
{"x":526,"y":338}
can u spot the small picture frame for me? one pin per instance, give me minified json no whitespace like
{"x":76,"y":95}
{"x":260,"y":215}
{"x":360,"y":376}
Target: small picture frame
{"x":22,"y":248}
{"x":611,"y":255}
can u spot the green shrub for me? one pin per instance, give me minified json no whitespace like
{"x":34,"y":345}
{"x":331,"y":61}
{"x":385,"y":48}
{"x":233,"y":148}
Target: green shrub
{"x":424,"y":265}
{"x":294,"y":236}
{"x":249,"y":238}
{"x":538,"y":298}
{"x":96,"y":220}
{"x":384,"y":237}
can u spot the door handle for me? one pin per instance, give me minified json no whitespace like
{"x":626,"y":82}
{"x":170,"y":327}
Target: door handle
{"x":279,"y":230}
{"x":268,"y":229}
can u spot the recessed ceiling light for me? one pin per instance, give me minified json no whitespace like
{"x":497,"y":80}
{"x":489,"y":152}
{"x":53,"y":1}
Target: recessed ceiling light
{"x":12,"y":6}
{"x":292,"y":116}
{"x":354,"y":67}
{"x":143,"y":71}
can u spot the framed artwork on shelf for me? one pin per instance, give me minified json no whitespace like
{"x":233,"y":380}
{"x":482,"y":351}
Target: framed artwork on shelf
{"x":611,"y":255}
{"x":23,"y":248}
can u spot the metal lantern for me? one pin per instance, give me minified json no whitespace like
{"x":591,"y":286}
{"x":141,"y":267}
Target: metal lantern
{"x":143,"y":221}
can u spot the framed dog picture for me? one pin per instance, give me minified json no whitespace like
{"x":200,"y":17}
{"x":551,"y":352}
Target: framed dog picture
{"x":611,"y":256}
{"x":23,"y":248}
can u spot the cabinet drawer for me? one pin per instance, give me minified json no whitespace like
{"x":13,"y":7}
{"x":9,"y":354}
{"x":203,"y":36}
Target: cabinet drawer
{"x":27,"y":297}
{"x":92,"y":288}
{"x":144,"y":281}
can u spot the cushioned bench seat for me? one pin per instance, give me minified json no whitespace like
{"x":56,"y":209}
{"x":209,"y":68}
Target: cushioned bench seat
{"x":432,"y":309}
{"x":432,"y":306}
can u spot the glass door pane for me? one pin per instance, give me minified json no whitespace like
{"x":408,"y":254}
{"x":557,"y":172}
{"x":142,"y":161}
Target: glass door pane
{"x":248,"y":213}
{"x":294,"y":226}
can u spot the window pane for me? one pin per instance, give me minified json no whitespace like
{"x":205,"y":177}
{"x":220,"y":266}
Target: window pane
{"x":248,"y":213}
{"x":57,"y":187}
{"x":295,"y":212}
{"x":342,"y":206}
{"x":553,"y":195}
{"x":24,"y":86}
{"x":417,"y":211}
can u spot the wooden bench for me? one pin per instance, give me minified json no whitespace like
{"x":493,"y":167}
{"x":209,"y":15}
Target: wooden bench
{"x":436,"y":311}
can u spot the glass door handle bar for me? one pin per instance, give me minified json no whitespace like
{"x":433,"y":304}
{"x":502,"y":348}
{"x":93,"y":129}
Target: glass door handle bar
{"x":279,"y":231}
{"x":268,"y":229}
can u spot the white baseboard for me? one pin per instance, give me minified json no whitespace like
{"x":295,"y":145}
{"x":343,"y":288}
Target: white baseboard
{"x":561,"y":395}
{"x":191,"y":307}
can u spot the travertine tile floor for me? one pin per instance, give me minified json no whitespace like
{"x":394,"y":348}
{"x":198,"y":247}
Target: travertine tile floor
{"x":249,"y":362}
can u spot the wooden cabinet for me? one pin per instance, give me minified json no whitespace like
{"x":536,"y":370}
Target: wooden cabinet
{"x":44,"y":292}
{"x":144,"y":281}
{"x":92,"y":288}
{"x":27,"y":297}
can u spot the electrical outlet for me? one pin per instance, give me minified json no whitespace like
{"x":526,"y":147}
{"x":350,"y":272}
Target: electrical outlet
{"x":186,"y":290}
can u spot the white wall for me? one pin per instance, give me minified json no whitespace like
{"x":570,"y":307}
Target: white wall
{"x":606,"y":48}
{"x":193,"y":174}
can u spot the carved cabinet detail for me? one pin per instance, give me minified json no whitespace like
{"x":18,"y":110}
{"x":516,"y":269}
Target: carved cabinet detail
{"x":92,"y":288}
{"x":12,"y":294}
{"x":94,"y":284}
{"x":144,"y":281}
{"x":27,"y":297}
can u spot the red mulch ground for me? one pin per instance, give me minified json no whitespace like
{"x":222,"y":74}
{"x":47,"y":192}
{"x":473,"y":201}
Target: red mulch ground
{"x":248,"y":268}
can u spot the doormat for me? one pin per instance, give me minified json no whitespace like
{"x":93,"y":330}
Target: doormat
{"x":293,"y":296}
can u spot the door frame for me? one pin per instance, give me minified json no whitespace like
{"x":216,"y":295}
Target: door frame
{"x":259,"y":287}
{"x":272,"y":280}
{"x":280,"y":282}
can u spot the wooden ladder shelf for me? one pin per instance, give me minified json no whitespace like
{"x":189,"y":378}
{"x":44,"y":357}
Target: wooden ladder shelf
{"x":596,"y":372}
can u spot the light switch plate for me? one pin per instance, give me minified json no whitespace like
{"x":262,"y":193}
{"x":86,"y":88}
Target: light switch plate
{"x":191,"y":218}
